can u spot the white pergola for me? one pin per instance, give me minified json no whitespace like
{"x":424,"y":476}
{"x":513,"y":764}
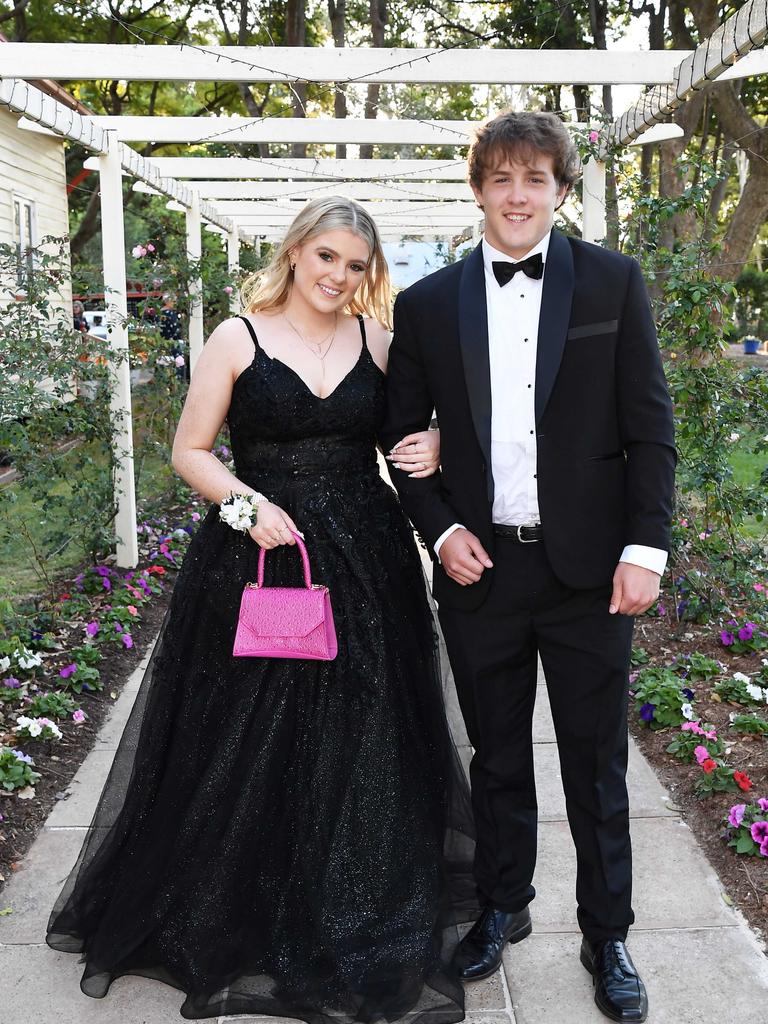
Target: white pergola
{"x":240,"y":197}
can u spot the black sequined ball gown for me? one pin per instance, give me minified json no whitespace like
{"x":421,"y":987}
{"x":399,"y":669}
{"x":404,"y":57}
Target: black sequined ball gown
{"x":287,"y":837}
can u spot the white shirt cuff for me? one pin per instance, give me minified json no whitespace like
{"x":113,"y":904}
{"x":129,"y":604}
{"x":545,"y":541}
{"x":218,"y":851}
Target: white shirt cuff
{"x":654,"y":559}
{"x":445,"y":536}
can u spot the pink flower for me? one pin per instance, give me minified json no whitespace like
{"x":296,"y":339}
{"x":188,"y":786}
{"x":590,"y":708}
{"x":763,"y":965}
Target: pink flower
{"x":736,"y":815}
{"x":633,"y":678}
{"x":701,"y":754}
{"x":179,"y":361}
{"x":762,"y":803}
{"x":594,"y":136}
{"x":229,"y":289}
{"x":78,"y":716}
{"x":128,"y":640}
{"x":759,"y":831}
{"x":758,"y":587}
{"x":764,"y":848}
{"x":692,"y":727}
{"x":195,"y":517}
{"x":131,"y":609}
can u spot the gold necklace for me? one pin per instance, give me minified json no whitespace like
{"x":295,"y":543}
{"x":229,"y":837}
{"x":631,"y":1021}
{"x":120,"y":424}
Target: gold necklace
{"x":316,"y":347}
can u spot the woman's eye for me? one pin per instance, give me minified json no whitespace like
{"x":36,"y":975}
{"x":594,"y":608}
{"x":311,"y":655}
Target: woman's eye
{"x":325,"y":256}
{"x":358,"y":268}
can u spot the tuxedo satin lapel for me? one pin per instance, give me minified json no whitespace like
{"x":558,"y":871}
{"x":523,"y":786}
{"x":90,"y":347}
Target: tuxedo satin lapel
{"x":556,"y":298}
{"x":473,"y":338}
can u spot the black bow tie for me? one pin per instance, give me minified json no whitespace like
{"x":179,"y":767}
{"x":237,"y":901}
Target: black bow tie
{"x":504,"y":271}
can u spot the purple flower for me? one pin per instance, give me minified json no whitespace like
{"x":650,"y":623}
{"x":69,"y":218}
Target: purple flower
{"x":762,"y":803}
{"x":105,"y":583}
{"x":78,"y":716}
{"x":21,"y":756}
{"x":764,"y":848}
{"x":726,"y":638}
{"x":103,"y":570}
{"x":68,"y":670}
{"x":661,"y":609}
{"x":92,"y":628}
{"x":746,"y":632}
{"x":681,"y":608}
{"x":759,"y":831}
{"x":118,"y":627}
{"x":646,"y":712}
{"x":687,"y":693}
{"x":12,"y":683}
{"x":128,"y":640}
{"x":736,"y":815}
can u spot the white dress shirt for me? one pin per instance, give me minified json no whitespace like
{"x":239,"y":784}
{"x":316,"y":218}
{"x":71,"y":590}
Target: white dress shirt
{"x":513,"y":327}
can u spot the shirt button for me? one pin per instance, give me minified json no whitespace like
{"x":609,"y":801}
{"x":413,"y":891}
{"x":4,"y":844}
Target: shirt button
{"x":530,"y":431}
{"x":529,"y":385}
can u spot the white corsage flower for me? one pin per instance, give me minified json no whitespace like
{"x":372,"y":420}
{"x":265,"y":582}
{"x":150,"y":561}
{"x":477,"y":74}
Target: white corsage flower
{"x":239,"y":512}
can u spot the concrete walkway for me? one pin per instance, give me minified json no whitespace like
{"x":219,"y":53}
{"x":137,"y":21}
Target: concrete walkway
{"x":699,"y":959}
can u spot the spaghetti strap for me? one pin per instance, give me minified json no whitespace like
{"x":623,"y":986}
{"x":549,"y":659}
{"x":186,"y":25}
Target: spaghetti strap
{"x":251,"y":331}
{"x":362,"y":328}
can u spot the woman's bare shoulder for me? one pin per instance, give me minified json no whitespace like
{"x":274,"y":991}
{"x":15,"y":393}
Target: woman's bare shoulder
{"x":378,"y":338}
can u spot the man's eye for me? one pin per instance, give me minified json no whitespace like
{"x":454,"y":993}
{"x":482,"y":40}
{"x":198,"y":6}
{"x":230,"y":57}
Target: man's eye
{"x":537,"y":181}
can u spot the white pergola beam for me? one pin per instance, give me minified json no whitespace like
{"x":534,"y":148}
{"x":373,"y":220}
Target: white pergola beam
{"x":361,"y":191}
{"x":711,"y":60}
{"x":305,"y":169}
{"x":329,"y":131}
{"x":237,"y":208}
{"x":25,"y":99}
{"x":92,"y":61}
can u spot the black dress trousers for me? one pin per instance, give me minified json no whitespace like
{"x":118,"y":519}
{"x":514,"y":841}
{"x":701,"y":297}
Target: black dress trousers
{"x":585,"y":654}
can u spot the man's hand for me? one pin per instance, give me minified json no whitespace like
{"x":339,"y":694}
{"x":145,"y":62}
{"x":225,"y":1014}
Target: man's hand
{"x":634,"y":589}
{"x":463,"y":557}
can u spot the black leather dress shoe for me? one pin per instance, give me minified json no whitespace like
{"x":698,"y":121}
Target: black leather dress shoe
{"x":619,"y":991}
{"x":479,"y":953}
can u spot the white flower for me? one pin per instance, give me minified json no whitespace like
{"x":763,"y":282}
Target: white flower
{"x":5,"y":664}
{"x":756,"y":692}
{"x":740,"y":677}
{"x":26,"y":659}
{"x":687,"y":711}
{"x":32,"y":725}
{"x":734,"y":436}
{"x":180,"y":534}
{"x":238,"y":513}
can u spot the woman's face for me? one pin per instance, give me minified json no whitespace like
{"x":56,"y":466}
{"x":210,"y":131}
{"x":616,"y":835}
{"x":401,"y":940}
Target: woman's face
{"x":330,"y":267}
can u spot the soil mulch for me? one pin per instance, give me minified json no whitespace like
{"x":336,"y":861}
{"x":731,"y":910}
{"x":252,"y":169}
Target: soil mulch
{"x":59,"y":761}
{"x":744,"y":879}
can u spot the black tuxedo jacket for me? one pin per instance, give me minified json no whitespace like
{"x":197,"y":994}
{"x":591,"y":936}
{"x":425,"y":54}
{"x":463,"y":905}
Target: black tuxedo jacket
{"x":604,"y":428}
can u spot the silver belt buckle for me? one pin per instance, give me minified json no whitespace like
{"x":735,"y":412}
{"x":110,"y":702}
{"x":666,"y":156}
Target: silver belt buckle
{"x":520,"y":536}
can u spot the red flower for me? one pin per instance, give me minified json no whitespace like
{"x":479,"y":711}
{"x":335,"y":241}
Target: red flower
{"x":709,"y":765}
{"x":743,"y":781}
{"x":64,"y":597}
{"x":157,"y":568}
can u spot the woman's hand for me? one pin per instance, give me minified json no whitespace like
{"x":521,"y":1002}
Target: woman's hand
{"x":273,"y":526}
{"x":419,"y":453}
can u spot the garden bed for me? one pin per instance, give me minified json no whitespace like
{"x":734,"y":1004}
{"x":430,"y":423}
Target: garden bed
{"x":744,"y":878}
{"x":58,"y":762}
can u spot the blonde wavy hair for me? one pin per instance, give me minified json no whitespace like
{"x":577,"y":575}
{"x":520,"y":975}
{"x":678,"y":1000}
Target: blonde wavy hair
{"x":270,"y":288}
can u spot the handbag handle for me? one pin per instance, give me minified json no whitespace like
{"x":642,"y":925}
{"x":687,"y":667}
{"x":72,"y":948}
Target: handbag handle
{"x":304,"y":558}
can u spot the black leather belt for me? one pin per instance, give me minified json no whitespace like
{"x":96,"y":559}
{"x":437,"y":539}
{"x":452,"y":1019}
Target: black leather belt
{"x":519,"y":534}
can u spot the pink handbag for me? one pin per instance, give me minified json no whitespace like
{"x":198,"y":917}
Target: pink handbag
{"x":286,"y":622}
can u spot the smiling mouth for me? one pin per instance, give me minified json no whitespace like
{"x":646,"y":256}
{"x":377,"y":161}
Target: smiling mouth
{"x":517,"y":218}
{"x":332,"y":293}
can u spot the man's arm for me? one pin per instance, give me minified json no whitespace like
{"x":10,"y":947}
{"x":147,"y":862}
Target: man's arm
{"x":647,"y":430}
{"x":409,"y":408}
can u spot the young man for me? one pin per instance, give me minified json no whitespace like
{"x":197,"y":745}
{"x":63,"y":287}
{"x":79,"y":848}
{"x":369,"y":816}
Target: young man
{"x":549,"y":524}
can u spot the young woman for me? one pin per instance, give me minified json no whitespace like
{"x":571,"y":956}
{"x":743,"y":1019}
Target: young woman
{"x":278,"y":836}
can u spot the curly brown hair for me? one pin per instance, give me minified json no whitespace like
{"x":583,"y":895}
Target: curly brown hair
{"x":517,"y":136}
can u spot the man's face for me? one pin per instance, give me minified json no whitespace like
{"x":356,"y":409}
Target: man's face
{"x":519,"y":199}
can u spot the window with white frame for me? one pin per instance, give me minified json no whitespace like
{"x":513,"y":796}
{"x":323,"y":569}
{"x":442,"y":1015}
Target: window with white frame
{"x":24,"y":232}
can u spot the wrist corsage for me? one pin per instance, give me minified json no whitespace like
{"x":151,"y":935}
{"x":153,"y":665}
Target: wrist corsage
{"x":240,"y":511}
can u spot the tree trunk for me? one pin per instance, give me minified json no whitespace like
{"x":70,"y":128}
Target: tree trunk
{"x":378,"y":12}
{"x":337,"y":12}
{"x":296,"y":35}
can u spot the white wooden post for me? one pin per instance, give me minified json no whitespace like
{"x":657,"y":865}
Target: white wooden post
{"x":194,"y":252}
{"x":593,"y":228}
{"x":233,"y":265}
{"x":115,"y":302}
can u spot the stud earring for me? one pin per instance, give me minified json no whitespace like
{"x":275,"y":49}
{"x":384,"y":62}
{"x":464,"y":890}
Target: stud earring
{"x":293,"y":266}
